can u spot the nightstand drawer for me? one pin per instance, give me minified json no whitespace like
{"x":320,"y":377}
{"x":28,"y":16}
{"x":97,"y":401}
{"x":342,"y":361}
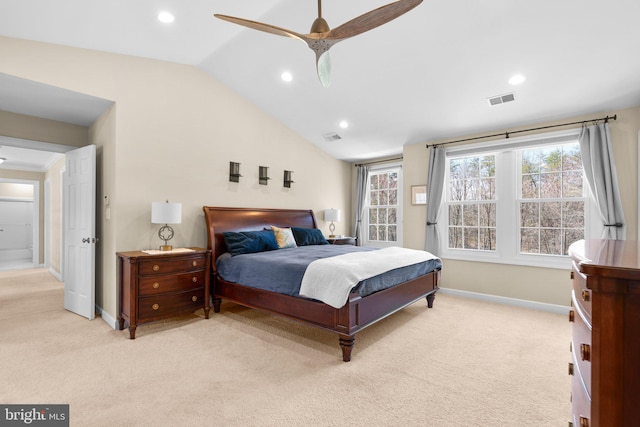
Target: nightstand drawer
{"x":580,"y":400}
{"x":581,"y":346}
{"x":162,"y":306}
{"x":152,"y":285}
{"x":167,"y":266}
{"x":583,"y":294}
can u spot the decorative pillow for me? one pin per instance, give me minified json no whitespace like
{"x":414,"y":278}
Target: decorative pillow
{"x":284,"y":237}
{"x":308,"y":236}
{"x":247,"y":242}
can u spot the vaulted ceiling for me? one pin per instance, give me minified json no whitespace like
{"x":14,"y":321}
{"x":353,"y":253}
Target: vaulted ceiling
{"x":424,"y":76}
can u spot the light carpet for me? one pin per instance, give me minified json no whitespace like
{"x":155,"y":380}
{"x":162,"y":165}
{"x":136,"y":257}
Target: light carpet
{"x":463,"y":363}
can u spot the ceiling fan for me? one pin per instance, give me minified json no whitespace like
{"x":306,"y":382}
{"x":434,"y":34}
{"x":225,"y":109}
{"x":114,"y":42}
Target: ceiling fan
{"x":321,"y":37}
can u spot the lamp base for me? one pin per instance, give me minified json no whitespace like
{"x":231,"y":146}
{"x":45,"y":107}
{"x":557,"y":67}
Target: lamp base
{"x":166,"y":247}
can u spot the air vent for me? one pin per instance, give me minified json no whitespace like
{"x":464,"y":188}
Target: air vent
{"x":501,"y":99}
{"x":330,"y":137}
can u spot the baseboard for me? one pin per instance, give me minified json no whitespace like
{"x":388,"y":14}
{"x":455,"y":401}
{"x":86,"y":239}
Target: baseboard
{"x":107,"y":318}
{"x":553,"y":308}
{"x":55,"y":274}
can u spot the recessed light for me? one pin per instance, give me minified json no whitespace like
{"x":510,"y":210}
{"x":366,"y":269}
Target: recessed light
{"x":286,"y":76}
{"x":166,"y":17}
{"x":517,"y":79}
{"x":344,"y":124}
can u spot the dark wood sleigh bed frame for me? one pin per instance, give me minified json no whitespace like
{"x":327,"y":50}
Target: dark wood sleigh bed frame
{"x":358,"y":313}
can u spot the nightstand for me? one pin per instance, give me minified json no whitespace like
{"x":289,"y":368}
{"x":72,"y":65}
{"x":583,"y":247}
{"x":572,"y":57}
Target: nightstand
{"x":154,"y":287}
{"x":342,"y":240}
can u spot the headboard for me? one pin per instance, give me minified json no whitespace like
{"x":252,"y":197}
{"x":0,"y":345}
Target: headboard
{"x":220,"y":220}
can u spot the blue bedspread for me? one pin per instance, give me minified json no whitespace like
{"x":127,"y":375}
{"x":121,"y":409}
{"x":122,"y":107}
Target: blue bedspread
{"x":282,"y":270}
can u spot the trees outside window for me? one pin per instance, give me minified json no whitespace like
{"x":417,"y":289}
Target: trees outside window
{"x":383,"y":207}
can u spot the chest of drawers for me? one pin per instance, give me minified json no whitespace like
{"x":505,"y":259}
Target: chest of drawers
{"x":154,"y":287}
{"x":605,"y":344}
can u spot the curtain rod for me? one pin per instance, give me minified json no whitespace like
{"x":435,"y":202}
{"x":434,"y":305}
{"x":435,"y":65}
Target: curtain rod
{"x":508,"y":134}
{"x":378,"y":161}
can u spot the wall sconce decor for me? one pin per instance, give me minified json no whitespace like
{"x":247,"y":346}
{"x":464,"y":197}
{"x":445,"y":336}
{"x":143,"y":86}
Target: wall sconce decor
{"x":234,"y":172}
{"x":263,"y":173}
{"x":332,"y":215}
{"x":287,"y":179}
{"x":166,"y":213}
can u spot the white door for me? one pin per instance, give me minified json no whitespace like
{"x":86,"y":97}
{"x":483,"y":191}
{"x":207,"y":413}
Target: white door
{"x":79,"y":213}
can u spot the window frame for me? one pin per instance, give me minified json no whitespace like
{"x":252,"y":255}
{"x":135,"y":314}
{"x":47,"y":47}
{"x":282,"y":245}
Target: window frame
{"x":396,"y":166}
{"x":508,"y":203}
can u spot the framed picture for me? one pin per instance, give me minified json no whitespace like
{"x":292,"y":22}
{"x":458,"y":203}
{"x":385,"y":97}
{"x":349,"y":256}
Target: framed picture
{"x":418,"y":194}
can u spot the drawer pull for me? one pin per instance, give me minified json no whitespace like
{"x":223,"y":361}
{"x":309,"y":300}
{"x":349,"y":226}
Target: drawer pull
{"x":156,"y":285}
{"x":156,"y":267}
{"x":585,"y":295}
{"x":572,"y":275}
{"x":194,"y":263}
{"x":584,"y":422}
{"x":194,"y":279}
{"x":570,"y":368}
{"x":585,"y":352}
{"x":155,"y":306}
{"x":194,"y":298}
{"x":572,"y":316}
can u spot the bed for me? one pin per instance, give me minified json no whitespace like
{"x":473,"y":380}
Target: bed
{"x":356,"y":314}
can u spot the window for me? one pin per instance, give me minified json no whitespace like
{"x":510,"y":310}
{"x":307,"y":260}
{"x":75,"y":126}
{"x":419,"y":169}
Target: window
{"x":521,"y":202}
{"x":383,"y":207}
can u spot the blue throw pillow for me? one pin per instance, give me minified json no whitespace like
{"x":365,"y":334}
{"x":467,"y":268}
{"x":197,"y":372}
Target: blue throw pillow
{"x":308,"y":236}
{"x":248,"y":242}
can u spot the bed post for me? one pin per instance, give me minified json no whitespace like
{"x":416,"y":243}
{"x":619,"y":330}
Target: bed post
{"x":346,"y":343}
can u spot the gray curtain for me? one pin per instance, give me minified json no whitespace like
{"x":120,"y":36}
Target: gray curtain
{"x":600,"y":170}
{"x":361,"y":195}
{"x":435,"y":186}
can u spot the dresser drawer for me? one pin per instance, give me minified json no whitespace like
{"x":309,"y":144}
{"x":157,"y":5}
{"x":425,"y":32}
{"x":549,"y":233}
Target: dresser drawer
{"x":162,"y":306}
{"x":580,"y":402}
{"x":583,"y":294}
{"x":171,"y":265}
{"x":152,"y":285}
{"x":581,"y":345}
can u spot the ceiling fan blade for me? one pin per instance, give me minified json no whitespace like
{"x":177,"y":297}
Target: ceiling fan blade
{"x":323,"y":67}
{"x":260,"y":26}
{"x":372,"y":19}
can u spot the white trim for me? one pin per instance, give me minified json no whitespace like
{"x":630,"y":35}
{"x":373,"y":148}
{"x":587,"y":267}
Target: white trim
{"x":113,"y":323}
{"x":55,"y":274}
{"x":534,"y":305}
{"x":47,"y":222}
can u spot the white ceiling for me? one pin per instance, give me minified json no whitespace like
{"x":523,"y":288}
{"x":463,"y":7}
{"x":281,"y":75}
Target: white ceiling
{"x":424,"y":76}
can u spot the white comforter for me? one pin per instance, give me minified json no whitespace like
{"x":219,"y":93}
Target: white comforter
{"x":330,"y":280}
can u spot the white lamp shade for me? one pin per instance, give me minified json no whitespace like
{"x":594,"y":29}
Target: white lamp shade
{"x":166,"y":213}
{"x":332,"y":215}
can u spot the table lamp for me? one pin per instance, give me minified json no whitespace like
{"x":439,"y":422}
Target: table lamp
{"x":166,"y":213}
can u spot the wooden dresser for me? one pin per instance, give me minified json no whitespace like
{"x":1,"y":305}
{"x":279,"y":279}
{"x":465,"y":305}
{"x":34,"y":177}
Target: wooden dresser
{"x":605,"y":343}
{"x":154,"y":287}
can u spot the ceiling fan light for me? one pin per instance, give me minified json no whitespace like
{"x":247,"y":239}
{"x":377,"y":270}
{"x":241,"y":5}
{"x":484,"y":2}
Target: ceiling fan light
{"x":323,"y":66}
{"x":319,"y":26}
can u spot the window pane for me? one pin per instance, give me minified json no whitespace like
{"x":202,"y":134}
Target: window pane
{"x":455,"y":237}
{"x":487,"y":239}
{"x":373,"y":232}
{"x":455,"y":215}
{"x":374,"y":182}
{"x":382,"y":216}
{"x":550,"y":241}
{"x":382,"y":233}
{"x":393,"y":197}
{"x":470,"y":238}
{"x":551,"y":159}
{"x":393,"y":233}
{"x":529,"y":214}
{"x":487,"y":189}
{"x":529,"y":241}
{"x":571,"y":158}
{"x":573,"y":215}
{"x":456,"y":190}
{"x":530,"y":162}
{"x":383,"y":197}
{"x":550,"y":214}
{"x":374,"y":198}
{"x":571,"y":236}
{"x":393,"y":216}
{"x":393,"y":180}
{"x":373,"y":216}
{"x":550,"y":185}
{"x":572,"y":184}
{"x":470,"y":215}
{"x":456,"y":169}
{"x":487,"y":214}
{"x":530,"y":185}
{"x":383,"y":181}
{"x":488,"y":166}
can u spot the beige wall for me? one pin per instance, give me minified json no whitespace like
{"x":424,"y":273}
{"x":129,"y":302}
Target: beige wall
{"x":15,"y":190}
{"x":43,"y":130}
{"x":529,"y":283}
{"x":171,"y":135}
{"x":54,"y":177}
